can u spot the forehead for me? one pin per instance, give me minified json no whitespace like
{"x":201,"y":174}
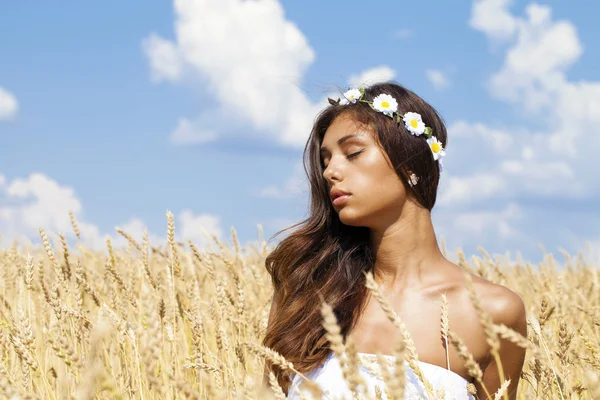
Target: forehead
{"x":341,"y":128}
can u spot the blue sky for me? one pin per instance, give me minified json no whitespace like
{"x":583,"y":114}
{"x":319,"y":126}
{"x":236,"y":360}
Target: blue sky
{"x":124,"y":110}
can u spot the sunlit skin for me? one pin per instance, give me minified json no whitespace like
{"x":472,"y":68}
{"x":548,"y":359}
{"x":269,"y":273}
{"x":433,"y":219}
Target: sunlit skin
{"x":410,"y":267}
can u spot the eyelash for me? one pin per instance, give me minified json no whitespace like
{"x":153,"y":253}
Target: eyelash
{"x":354,"y":154}
{"x":349,"y":157}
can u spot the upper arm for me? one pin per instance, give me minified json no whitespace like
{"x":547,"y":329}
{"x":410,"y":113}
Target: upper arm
{"x":509,"y":310}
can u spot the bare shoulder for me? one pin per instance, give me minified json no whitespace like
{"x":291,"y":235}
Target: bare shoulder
{"x":502,"y":304}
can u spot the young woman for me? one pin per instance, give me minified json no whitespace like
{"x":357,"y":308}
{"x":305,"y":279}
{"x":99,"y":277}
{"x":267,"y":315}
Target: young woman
{"x":374,"y":160}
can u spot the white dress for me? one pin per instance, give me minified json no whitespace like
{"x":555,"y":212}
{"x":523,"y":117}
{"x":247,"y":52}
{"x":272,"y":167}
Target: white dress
{"x":330,"y":378}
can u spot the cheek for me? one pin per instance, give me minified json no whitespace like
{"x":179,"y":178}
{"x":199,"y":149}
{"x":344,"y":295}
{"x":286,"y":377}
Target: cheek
{"x":389,"y":190}
{"x":380,"y":184}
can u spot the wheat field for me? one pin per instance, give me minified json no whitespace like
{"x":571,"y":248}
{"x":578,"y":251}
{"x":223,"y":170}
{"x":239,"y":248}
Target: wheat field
{"x":171,"y":321}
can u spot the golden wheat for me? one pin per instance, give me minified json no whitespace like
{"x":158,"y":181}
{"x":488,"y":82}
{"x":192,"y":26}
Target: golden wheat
{"x":174,"y":321}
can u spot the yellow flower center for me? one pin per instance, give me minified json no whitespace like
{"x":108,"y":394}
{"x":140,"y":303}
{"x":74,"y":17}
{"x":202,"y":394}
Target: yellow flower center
{"x":435,"y":147}
{"x":351,"y":96}
{"x":414,"y":123}
{"x":385,"y":104}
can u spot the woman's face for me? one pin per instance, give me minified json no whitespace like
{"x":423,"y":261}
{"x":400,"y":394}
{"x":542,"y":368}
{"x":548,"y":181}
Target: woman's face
{"x":360,"y":167}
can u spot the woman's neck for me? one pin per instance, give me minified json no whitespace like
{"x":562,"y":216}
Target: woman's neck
{"x":405,"y":249}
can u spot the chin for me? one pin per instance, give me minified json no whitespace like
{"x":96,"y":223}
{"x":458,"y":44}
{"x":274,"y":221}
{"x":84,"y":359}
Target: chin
{"x":350,"y":218}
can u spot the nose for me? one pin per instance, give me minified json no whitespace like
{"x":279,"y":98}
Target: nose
{"x":332,"y":173}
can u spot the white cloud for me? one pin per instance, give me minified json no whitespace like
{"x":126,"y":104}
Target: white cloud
{"x":43,"y":202}
{"x":537,"y":171}
{"x":403,"y":33}
{"x":495,"y":228}
{"x":499,"y":164}
{"x":577,"y":115}
{"x":197,"y":227}
{"x":496,"y":164}
{"x":477,"y":223}
{"x":40,"y":202}
{"x":250,"y":58}
{"x":9,"y":106}
{"x":534,"y":79}
{"x":472,"y":188}
{"x":533,"y":72}
{"x":295,"y":185}
{"x":500,"y":140}
{"x":373,"y":75}
{"x":165,"y":63}
{"x":187,"y":132}
{"x":492,"y":18}
{"x":188,"y":226}
{"x":276,"y":224}
{"x":135,"y":227}
{"x":438,"y":79}
{"x":594,"y":251}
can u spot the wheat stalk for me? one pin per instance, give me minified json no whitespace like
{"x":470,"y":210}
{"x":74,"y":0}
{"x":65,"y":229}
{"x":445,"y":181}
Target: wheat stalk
{"x":413,"y":357}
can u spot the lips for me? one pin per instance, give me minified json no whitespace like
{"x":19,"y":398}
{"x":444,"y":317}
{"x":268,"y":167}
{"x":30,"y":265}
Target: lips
{"x":335,"y":193}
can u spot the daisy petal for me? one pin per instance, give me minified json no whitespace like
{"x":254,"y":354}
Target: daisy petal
{"x":386,"y":104}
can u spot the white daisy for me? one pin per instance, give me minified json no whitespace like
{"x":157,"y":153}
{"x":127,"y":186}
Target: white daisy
{"x":352,"y":95}
{"x":436,"y":148}
{"x":386,"y":104}
{"x":414,"y":123}
{"x":344,"y":101}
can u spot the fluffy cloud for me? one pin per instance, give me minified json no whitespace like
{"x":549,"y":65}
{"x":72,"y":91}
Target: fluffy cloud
{"x":9,"y":105}
{"x":493,"y":18}
{"x":468,"y":229}
{"x":533,"y":78}
{"x":438,"y":79}
{"x":295,"y":185}
{"x":248,"y":55}
{"x":403,"y":33}
{"x":472,"y":188}
{"x":499,"y":140}
{"x":533,"y":71}
{"x":187,"y":132}
{"x":500,"y":164}
{"x":477,"y":223}
{"x":188,"y":226}
{"x":40,"y":202}
{"x":199,"y":228}
{"x":594,"y":252}
{"x":373,"y":75}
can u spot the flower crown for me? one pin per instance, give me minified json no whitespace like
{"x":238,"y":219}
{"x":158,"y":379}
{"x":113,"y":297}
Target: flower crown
{"x":388,"y":105}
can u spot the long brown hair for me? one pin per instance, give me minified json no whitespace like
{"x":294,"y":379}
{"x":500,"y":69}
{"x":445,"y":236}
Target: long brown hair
{"x":323,"y":258}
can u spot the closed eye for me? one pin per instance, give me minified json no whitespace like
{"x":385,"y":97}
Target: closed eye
{"x":349,"y":157}
{"x":354,"y":154}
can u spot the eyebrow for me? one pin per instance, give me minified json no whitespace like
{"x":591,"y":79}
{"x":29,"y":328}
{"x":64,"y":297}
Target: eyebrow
{"x":340,"y":141}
